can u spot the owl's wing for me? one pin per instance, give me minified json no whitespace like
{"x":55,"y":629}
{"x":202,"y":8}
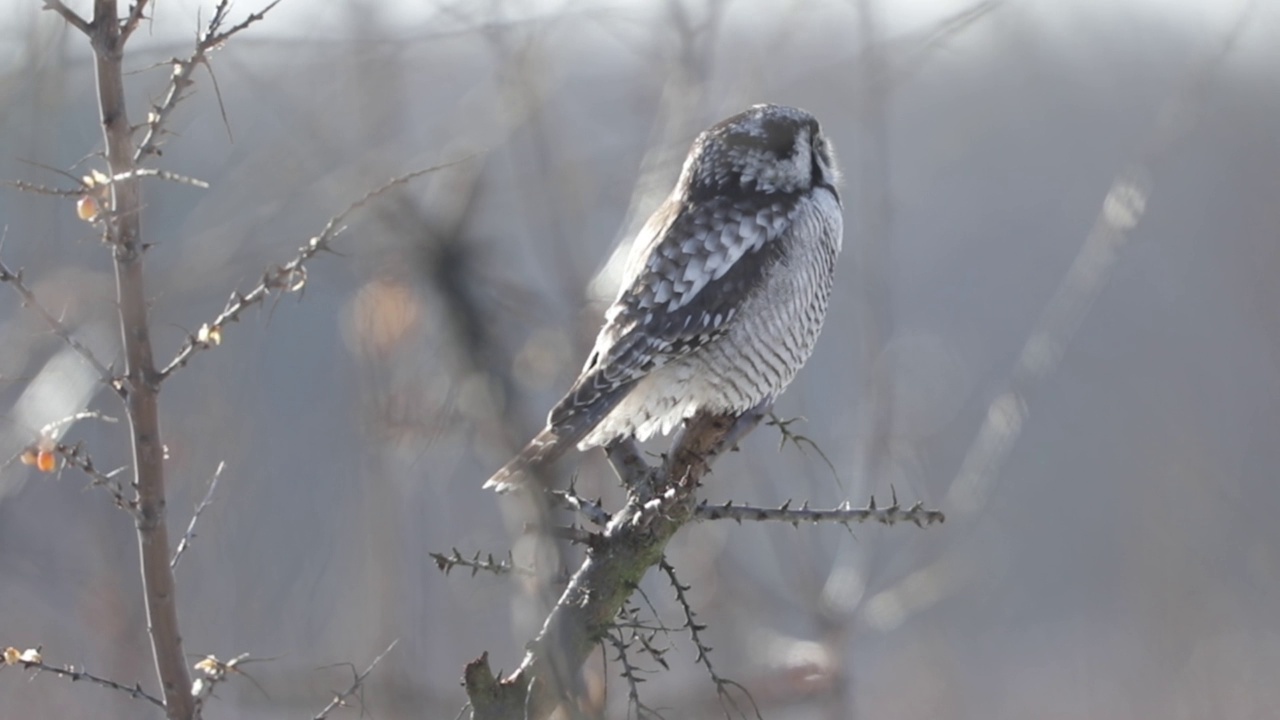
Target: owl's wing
{"x":696,"y":265}
{"x":687,"y":278}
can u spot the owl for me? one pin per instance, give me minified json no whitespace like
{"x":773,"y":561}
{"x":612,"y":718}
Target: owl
{"x":724,"y":294}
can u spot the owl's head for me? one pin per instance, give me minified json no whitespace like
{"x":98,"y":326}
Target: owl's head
{"x":764,"y":150}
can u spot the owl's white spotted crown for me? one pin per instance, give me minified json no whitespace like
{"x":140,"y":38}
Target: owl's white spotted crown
{"x":766,"y":149}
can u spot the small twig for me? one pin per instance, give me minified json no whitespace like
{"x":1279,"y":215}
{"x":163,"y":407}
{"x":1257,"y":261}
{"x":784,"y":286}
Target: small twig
{"x":25,"y":186}
{"x":74,"y":675}
{"x":216,"y":671}
{"x":190,"y":534}
{"x":631,"y":674}
{"x":723,"y":685}
{"x":590,"y":509}
{"x":568,"y":533}
{"x":290,"y":277}
{"x":136,"y":14}
{"x":636,"y":474}
{"x":795,"y":438}
{"x":69,"y":15}
{"x":446,"y":564}
{"x":357,"y":685}
{"x":209,"y":40}
{"x":14,"y":280}
{"x":52,"y":427}
{"x":76,"y":457}
{"x":102,"y":179}
{"x":844,"y":514}
{"x":163,"y":175}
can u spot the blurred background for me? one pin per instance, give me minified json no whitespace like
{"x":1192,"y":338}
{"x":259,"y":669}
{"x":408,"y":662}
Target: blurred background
{"x":1055,"y":320}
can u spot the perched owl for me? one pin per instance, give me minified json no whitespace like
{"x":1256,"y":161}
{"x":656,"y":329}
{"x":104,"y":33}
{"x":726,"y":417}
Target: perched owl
{"x":724,"y":294}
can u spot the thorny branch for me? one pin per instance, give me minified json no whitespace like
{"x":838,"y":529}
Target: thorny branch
{"x":661,"y":499}
{"x":121,"y":227}
{"x":76,"y":457}
{"x":70,"y":16}
{"x":211,"y":39}
{"x":477,"y":564}
{"x":844,"y":514}
{"x":99,"y":181}
{"x":137,"y":11}
{"x":590,"y":509}
{"x":723,"y":685}
{"x":34,"y":662}
{"x":631,"y":674}
{"x":357,"y":686}
{"x":290,"y":277}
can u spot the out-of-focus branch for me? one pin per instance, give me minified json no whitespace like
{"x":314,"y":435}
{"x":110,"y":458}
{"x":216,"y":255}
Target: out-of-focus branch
{"x":1121,"y":210}
{"x":844,"y":514}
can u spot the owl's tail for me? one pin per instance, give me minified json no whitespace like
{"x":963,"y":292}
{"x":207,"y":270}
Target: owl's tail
{"x":586,"y":405}
{"x":543,"y":449}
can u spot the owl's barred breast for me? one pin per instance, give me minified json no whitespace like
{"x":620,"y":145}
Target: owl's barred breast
{"x":767,"y":340}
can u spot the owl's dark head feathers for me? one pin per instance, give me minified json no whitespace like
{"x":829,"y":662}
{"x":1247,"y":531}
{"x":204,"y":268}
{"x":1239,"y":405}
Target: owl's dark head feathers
{"x":767,"y":149}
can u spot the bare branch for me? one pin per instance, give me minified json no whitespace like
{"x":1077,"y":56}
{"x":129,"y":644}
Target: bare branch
{"x":190,"y":534}
{"x":209,"y":40}
{"x":632,"y":542}
{"x":446,"y":564}
{"x":790,"y":436}
{"x":76,"y":457}
{"x":723,"y":686}
{"x":71,"y":673}
{"x":163,"y":175}
{"x":122,"y":232}
{"x":628,"y":462}
{"x":215,"y":38}
{"x":137,"y":11}
{"x":357,"y":686}
{"x":31,"y":187}
{"x":844,"y":514}
{"x":217,"y":671}
{"x":14,"y":280}
{"x":631,"y":674}
{"x":290,"y":277}
{"x":70,"y":16}
{"x":50,"y":428}
{"x":592,"y":510}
